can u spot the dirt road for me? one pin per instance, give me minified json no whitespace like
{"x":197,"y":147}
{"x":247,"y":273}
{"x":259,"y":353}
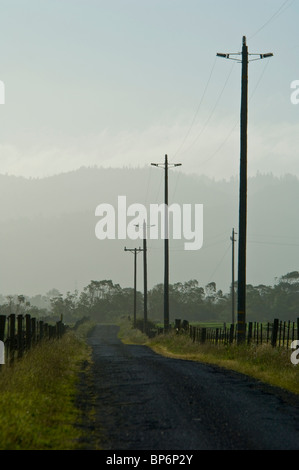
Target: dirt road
{"x":144,"y":401}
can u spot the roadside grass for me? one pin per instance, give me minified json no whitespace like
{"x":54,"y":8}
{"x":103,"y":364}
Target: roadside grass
{"x":263,"y":362}
{"x":38,"y":393}
{"x":128,"y":334}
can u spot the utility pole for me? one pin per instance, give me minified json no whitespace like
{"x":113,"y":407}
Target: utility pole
{"x":165,"y":166}
{"x":135,"y":251}
{"x":233,"y":275}
{"x":144,"y":278}
{"x":144,"y":226}
{"x":241,"y":324}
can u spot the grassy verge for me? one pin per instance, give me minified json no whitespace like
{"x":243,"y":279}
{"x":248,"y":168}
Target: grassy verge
{"x":267,"y":364}
{"x":37,"y":396}
{"x":129,"y":335}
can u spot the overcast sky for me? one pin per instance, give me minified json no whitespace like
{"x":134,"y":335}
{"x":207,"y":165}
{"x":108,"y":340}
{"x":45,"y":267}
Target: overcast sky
{"x":123,"y":82}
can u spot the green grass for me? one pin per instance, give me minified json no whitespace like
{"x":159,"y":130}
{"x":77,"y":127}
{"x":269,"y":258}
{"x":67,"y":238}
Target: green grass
{"x":129,"y":335}
{"x":267,"y":364}
{"x":37,"y":396}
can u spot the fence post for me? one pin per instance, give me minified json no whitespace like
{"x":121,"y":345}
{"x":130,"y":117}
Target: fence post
{"x":231,"y":333}
{"x":274,"y":333}
{"x":249,"y":335}
{"x":2,"y":327}
{"x":283,"y":333}
{"x":20,"y":335}
{"x":46,"y":330}
{"x":279,"y":338}
{"x":41,"y":330}
{"x":288,"y":334}
{"x":59,"y":329}
{"x":28,"y":331}
{"x":12,"y":336}
{"x":268,"y":330}
{"x":33,"y":330}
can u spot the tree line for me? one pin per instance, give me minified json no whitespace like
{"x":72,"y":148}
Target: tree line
{"x":104,"y":301}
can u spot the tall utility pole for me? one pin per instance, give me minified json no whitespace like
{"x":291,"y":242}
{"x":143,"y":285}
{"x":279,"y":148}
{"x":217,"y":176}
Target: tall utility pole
{"x":165,"y":166}
{"x":144,"y":278}
{"x":144,"y":227}
{"x":135,"y":251}
{"x":233,"y":275}
{"x":241,"y":325}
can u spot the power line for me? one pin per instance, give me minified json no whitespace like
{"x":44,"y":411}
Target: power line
{"x":278,"y":12}
{"x":273,"y":243}
{"x":220,"y":262}
{"x":198,"y":108}
{"x":259,"y":80}
{"x":212,"y":112}
{"x":237,"y":121}
{"x":265,"y":235}
{"x":231,"y":130}
{"x":205,"y":125}
{"x":190,"y":127}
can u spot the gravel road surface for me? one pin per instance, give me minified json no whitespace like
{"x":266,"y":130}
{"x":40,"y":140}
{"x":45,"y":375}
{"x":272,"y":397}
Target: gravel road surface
{"x":144,"y":401}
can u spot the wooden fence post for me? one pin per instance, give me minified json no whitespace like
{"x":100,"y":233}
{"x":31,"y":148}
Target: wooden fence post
{"x":288,"y":334}
{"x":249,"y":335}
{"x":12,"y":336}
{"x":59,"y":329}
{"x":33,"y":331}
{"x":41,"y":330}
{"x":231,"y":333}
{"x":2,"y":327}
{"x":274,"y":333}
{"x":283,"y":333}
{"x":268,"y":331}
{"x":280,"y":328}
{"x":20,"y":335}
{"x":28,"y":331}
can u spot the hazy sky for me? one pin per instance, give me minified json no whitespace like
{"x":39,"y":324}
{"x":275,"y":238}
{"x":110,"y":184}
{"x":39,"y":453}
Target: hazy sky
{"x":122,"y":82}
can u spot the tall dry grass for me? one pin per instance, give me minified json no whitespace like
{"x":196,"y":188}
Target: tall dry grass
{"x":37,"y":396}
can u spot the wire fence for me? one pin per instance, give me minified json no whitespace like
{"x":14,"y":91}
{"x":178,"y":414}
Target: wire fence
{"x":278,"y":333}
{"x":19,"y":333}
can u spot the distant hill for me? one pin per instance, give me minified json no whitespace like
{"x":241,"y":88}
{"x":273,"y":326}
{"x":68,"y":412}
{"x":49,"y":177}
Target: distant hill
{"x":47,"y":229}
